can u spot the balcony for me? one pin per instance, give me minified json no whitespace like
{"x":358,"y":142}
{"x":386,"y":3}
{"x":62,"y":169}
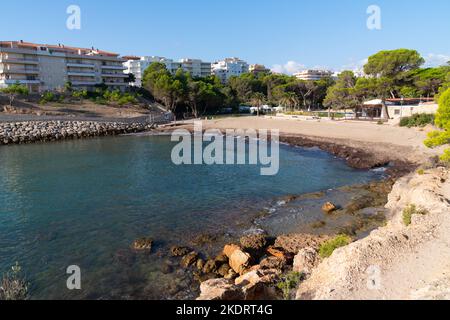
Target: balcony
{"x":85,"y":83}
{"x":19,"y":61}
{"x":20,"y":71}
{"x":114,"y":67}
{"x":116,"y":83}
{"x":115,"y":75}
{"x":14,"y":81}
{"x":81,"y":65}
{"x":80,"y":74}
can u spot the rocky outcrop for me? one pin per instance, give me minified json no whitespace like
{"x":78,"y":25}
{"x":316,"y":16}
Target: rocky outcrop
{"x":305,"y":261}
{"x":220,"y":289}
{"x":295,"y":242}
{"x":46,"y":131}
{"x":396,"y":261}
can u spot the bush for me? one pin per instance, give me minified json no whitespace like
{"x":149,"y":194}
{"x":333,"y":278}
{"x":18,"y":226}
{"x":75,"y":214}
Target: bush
{"x":327,"y":248}
{"x":437,"y":138}
{"x":13,"y":286}
{"x":417,"y":120}
{"x":420,"y":172}
{"x":47,"y":97}
{"x":443,"y":114}
{"x":411,"y":210}
{"x":80,"y":94}
{"x":289,"y":283}
{"x":445,"y":158}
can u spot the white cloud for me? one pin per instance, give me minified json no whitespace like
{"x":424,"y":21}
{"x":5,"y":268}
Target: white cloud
{"x":290,"y":67}
{"x":436,"y":60}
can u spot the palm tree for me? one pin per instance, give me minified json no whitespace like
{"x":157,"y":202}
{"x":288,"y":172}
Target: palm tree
{"x":257,"y":101}
{"x":289,"y":100}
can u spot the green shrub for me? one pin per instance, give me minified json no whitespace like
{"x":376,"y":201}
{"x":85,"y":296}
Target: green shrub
{"x":421,"y":172}
{"x":80,"y":94}
{"x":417,"y":120}
{"x":445,"y":158}
{"x":290,"y":282}
{"x":443,"y":114}
{"x":47,"y":97}
{"x":327,"y":248}
{"x":437,"y":138}
{"x":13,"y":286}
{"x":411,"y":210}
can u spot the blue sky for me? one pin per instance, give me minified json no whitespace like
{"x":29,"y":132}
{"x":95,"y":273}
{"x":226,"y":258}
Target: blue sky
{"x":287,"y":34}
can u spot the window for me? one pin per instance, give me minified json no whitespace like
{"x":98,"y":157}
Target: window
{"x":397,"y":112}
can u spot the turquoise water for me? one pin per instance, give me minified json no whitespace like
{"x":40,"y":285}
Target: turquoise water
{"x":84,"y":203}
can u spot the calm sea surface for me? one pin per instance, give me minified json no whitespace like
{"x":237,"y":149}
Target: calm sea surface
{"x":85,"y":202}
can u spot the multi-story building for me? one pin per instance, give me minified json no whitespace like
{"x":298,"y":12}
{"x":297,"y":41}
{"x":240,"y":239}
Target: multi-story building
{"x":313,"y":75}
{"x":225,"y":69}
{"x":196,"y":67}
{"x":138,"y":65}
{"x":43,"y":67}
{"x":258,"y":68}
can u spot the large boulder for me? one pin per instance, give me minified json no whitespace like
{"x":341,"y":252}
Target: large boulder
{"x":239,"y":261}
{"x":305,"y":260}
{"x":220,"y":289}
{"x":273,"y":263}
{"x":259,"y":284}
{"x":293,"y":243}
{"x":229,"y":249}
{"x":254,"y":242}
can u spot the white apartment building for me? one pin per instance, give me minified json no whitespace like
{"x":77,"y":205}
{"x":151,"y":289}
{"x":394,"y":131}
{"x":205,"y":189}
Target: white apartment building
{"x":138,"y":65}
{"x":313,"y":75}
{"x":43,"y":67}
{"x":225,"y":69}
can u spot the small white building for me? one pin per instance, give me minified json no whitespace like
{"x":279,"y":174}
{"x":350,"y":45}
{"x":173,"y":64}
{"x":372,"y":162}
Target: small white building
{"x":397,"y":108}
{"x":313,"y":75}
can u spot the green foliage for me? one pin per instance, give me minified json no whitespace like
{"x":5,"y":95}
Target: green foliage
{"x":47,"y":97}
{"x":445,"y":158}
{"x":443,"y":114}
{"x":80,"y":94}
{"x":289,"y":283}
{"x":342,"y":94}
{"x":421,"y":172}
{"x":327,"y":248}
{"x":15,"y":90}
{"x":13,"y":286}
{"x":417,"y":120}
{"x":411,"y":210}
{"x":393,"y":63}
{"x":437,"y":138}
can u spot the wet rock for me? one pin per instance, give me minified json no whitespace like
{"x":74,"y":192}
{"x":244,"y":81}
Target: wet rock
{"x":223,"y":270}
{"x":126,"y":257}
{"x":143,"y":244}
{"x":220,"y":289}
{"x":200,"y":264}
{"x":189,"y":259}
{"x":179,"y":251}
{"x":329,"y":207}
{"x":210,"y":266}
{"x":293,"y":243}
{"x":204,"y":239}
{"x":167,"y":268}
{"x":305,"y":260}
{"x":222,"y":258}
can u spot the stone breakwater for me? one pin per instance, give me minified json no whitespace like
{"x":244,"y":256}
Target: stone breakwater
{"x":47,"y":131}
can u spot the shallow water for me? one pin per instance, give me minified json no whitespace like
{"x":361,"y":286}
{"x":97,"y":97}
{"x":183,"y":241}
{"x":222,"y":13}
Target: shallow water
{"x":84,"y":203}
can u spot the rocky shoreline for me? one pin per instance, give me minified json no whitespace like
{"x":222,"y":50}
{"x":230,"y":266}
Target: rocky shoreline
{"x":49,"y":131}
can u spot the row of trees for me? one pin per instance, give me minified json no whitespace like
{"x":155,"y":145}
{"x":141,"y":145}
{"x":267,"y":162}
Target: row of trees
{"x":390,"y":74}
